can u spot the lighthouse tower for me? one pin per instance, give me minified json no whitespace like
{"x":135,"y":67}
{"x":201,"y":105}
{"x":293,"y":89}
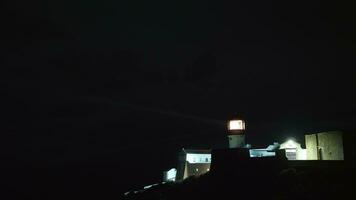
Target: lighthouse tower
{"x":236,"y":133}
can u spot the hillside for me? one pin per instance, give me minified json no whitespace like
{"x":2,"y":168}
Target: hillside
{"x":259,"y":182}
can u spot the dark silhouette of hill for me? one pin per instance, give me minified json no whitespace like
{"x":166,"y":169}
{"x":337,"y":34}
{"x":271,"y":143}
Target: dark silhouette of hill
{"x":261,"y":181}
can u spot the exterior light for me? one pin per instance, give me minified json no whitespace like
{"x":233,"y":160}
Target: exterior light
{"x":236,"y":125}
{"x":293,"y":150}
{"x":291,"y":144}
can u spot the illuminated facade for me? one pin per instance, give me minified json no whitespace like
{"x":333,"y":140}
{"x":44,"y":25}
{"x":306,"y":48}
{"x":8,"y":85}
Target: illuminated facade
{"x":294,"y":151}
{"x":264,"y":152}
{"x":332,"y":145}
{"x":193,"y":163}
{"x":325,"y":146}
{"x":170,"y":175}
{"x":320,"y":146}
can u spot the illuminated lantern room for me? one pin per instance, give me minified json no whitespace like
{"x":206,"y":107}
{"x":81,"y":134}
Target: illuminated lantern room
{"x":236,"y":125}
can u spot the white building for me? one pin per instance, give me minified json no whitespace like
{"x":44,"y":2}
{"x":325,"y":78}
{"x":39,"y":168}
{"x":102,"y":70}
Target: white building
{"x":294,"y":151}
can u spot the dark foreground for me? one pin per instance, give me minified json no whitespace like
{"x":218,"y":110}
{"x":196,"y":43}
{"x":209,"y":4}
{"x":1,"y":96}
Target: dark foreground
{"x":327,"y":181}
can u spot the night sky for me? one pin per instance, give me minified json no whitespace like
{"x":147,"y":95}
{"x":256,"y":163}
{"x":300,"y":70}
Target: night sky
{"x":116,"y":88}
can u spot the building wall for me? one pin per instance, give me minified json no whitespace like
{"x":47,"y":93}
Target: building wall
{"x":331,"y":145}
{"x":196,"y":169}
{"x":325,"y":146}
{"x":186,"y":174}
{"x":181,"y":166}
{"x":193,"y":162}
{"x":302,"y":154}
{"x":294,"y":150}
{"x":170,"y":175}
{"x":311,"y":145}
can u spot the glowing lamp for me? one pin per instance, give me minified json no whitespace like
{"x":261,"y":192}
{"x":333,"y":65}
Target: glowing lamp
{"x":291,"y":144}
{"x":236,"y":125}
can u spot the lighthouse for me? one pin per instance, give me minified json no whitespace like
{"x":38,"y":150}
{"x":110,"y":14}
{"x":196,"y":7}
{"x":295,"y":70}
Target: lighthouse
{"x":236,"y":133}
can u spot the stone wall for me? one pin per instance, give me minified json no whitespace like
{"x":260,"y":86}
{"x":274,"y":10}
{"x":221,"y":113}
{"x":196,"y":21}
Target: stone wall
{"x":331,"y":145}
{"x":311,"y":145}
{"x":325,"y":146}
